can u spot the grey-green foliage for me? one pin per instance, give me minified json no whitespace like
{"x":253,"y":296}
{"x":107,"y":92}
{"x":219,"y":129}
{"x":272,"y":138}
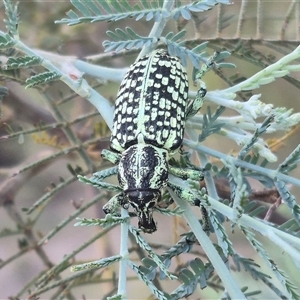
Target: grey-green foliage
{"x":259,"y":131}
{"x":238,"y":168}
{"x":144,"y":245}
{"x":6,"y":41}
{"x":291,"y":161}
{"x":97,"y":180}
{"x":281,"y":276}
{"x":161,"y":295}
{"x":20,"y":62}
{"x":128,"y":39}
{"x":210,"y":124}
{"x":41,"y":78}
{"x":191,"y":278}
{"x":95,"y":11}
{"x":12,"y":21}
{"x":105,"y":262}
{"x":288,"y":199}
{"x":108,"y":221}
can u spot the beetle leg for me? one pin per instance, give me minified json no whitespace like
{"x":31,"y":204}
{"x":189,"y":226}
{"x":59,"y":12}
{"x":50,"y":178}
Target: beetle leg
{"x":111,"y":156}
{"x":114,"y":204}
{"x":190,"y":197}
{"x":184,"y":194}
{"x":195,"y":104}
{"x":187,"y":173}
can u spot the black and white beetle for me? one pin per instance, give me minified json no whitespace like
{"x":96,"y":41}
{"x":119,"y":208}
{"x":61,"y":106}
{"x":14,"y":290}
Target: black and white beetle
{"x":150,"y":113}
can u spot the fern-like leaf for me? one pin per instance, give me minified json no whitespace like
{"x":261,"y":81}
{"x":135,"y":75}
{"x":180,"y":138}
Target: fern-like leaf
{"x":12,"y":22}
{"x":143,"y":244}
{"x":249,"y":266}
{"x":158,"y":293}
{"x":170,"y":212}
{"x":288,"y":199}
{"x":223,"y":239}
{"x":210,"y":124}
{"x":97,"y":264}
{"x":291,"y":161}
{"x":263,"y":179}
{"x":196,"y":55}
{"x":253,"y":269}
{"x":149,"y":268}
{"x":197,"y":6}
{"x":41,"y":79}
{"x":290,"y":227}
{"x":6,"y":41}
{"x":255,"y":212}
{"x":263,"y":128}
{"x":289,"y":286}
{"x":126,"y":39}
{"x":183,"y":246}
{"x":99,"y":184}
{"x":20,"y":62}
{"x":191,"y":279}
{"x":108,"y":221}
{"x":95,"y":11}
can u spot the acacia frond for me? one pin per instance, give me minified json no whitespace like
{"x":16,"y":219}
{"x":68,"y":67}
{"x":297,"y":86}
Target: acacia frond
{"x":41,"y":78}
{"x":6,"y":41}
{"x":185,"y":11}
{"x":126,"y":39}
{"x":12,"y":22}
{"x":98,"y":10}
{"x":20,"y":62}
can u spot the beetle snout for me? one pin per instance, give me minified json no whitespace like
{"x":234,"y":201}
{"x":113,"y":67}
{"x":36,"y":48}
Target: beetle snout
{"x":143,"y":202}
{"x":146,"y":221}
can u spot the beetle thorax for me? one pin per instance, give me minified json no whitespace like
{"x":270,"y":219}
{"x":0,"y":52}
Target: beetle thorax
{"x":143,"y":167}
{"x":143,"y":171}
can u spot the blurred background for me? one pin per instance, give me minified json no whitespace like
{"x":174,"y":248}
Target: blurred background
{"x":37,"y":165}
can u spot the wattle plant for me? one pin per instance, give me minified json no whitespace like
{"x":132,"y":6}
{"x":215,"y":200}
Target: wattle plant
{"x":159,"y":145}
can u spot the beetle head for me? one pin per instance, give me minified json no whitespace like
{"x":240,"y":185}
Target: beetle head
{"x":143,"y":171}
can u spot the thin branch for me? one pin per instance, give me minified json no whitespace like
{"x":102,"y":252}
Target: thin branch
{"x":55,"y":125}
{"x":241,"y":18}
{"x":259,"y":23}
{"x":290,"y":12}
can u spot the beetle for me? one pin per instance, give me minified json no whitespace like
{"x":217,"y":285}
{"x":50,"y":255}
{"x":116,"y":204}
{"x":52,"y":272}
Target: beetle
{"x":151,"y":109}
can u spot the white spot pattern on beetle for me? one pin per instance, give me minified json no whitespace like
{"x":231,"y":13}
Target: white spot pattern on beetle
{"x":151,"y":101}
{"x":148,"y":126}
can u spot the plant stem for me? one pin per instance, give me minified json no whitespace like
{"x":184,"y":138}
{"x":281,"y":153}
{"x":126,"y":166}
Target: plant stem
{"x":124,"y":253}
{"x":265,"y":171}
{"x":208,"y":247}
